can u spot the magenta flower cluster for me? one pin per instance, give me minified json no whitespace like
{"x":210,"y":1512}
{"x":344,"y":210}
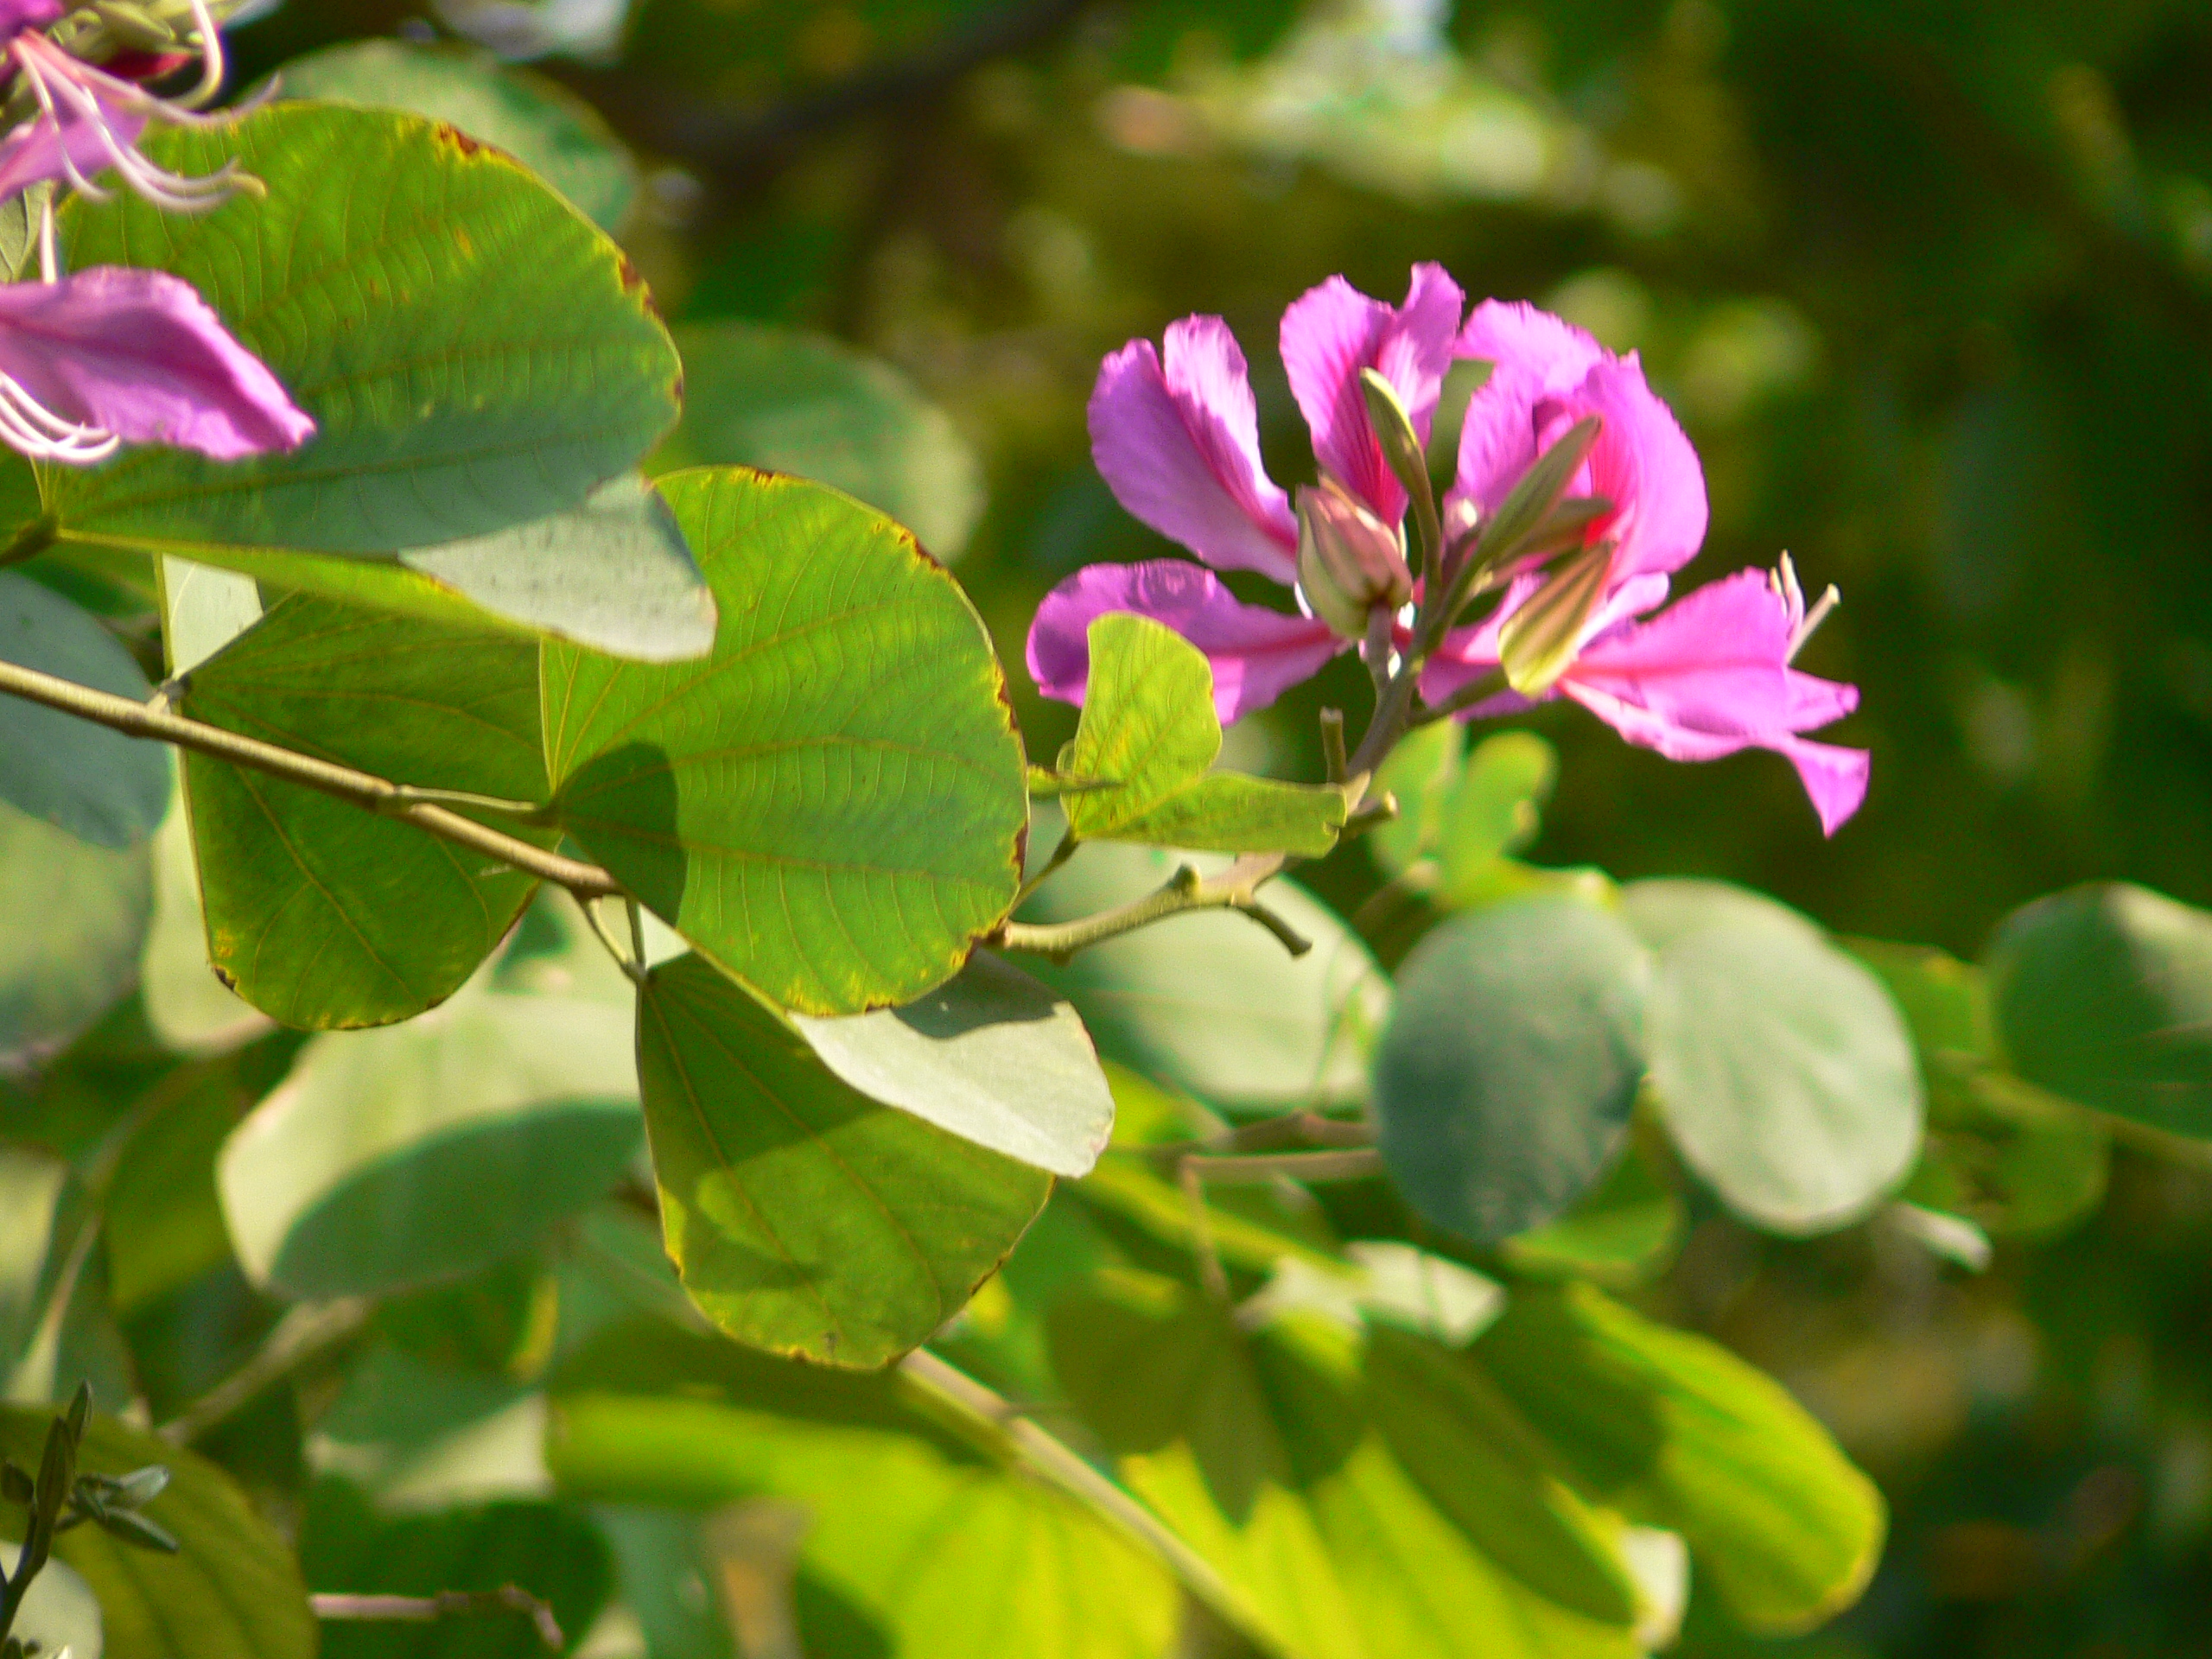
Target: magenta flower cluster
{"x":115,"y":355}
{"x":1175,"y":435}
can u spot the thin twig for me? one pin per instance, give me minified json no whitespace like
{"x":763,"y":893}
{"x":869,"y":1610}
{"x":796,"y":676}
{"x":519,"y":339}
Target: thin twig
{"x":633,"y":965}
{"x":1332,"y":744}
{"x":1053,"y":1462}
{"x":426,"y":1609}
{"x":360,"y":789}
{"x":1211,"y":1273}
{"x":1306,"y":1129}
{"x":309,"y":1329}
{"x":1061,"y":854}
{"x":1236,"y":888}
{"x":1356,"y":1164}
{"x":1465,"y":698}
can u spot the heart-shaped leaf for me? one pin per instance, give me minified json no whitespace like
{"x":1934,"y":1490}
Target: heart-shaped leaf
{"x":806,"y":1219}
{"x":830,"y":806}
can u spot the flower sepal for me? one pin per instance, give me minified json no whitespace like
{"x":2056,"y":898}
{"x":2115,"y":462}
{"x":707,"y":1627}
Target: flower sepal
{"x":1349,"y":561}
{"x":1538,"y":643}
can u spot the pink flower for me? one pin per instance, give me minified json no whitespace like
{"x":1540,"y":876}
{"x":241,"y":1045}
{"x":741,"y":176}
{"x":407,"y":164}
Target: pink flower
{"x":1175,"y":437}
{"x":91,"y":119}
{"x":113,"y":356}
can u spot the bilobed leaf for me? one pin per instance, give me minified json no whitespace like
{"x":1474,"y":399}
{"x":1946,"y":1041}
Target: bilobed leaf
{"x":1211,"y":1002}
{"x":232,"y":1591}
{"x":474,"y":354}
{"x":2104,"y":994}
{"x":755,"y":395}
{"x":1149,"y":727}
{"x":1684,"y":1436}
{"x":540,"y":123}
{"x":1782,"y":1068}
{"x":73,"y":919}
{"x":162,"y":1222}
{"x":1495,"y":808}
{"x":320,"y":913}
{"x":991,"y":1055}
{"x":1419,"y":772}
{"x":86,"y":780}
{"x":830,"y":806}
{"x":391,"y":1159}
{"x":188,"y":1007}
{"x":1273,"y":1455}
{"x":1503,"y":1082}
{"x":806,"y":1219}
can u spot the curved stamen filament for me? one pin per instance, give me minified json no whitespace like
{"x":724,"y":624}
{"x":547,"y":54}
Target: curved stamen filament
{"x":30,"y":427}
{"x":211,"y":58}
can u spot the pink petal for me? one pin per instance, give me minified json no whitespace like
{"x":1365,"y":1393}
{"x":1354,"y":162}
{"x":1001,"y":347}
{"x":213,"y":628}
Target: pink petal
{"x":1834,"y":778}
{"x":1257,"y":654}
{"x":1329,"y":334}
{"x":1641,"y":462}
{"x":1180,"y":446}
{"x":32,"y":153}
{"x":140,"y":354}
{"x":1547,"y":352}
{"x":16,"y":16}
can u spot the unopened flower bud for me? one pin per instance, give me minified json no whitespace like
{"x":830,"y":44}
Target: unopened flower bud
{"x":1349,"y":561}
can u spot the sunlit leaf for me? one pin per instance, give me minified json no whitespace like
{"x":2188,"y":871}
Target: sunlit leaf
{"x":830,"y":805}
{"x":808,"y":1219}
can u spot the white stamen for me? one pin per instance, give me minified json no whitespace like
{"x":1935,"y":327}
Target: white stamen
{"x":49,"y":263}
{"x":29,"y":427}
{"x":1826,"y":602}
{"x":211,"y":58}
{"x":1784,"y":583}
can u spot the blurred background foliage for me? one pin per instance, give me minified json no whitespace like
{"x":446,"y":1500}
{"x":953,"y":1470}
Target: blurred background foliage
{"x":1931,"y":285}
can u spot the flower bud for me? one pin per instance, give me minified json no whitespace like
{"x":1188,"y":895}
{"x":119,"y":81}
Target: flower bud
{"x":1349,"y":561}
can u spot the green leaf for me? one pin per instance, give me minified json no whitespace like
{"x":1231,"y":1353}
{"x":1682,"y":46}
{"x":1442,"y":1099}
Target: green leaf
{"x":73,"y":919}
{"x":1503,"y":1082}
{"x":1149,"y":727}
{"x":391,"y":1159}
{"x":1281,"y":1464}
{"x":2104,"y":995}
{"x":232,"y":1591}
{"x":1622,"y":1233}
{"x":188,"y":1006}
{"x":614,"y":573}
{"x":475,"y":355}
{"x":162,"y":1222}
{"x":94,"y":784}
{"x":320,"y":913}
{"x":1211,"y":1002}
{"x":806,"y":1219}
{"x":1421,"y":771}
{"x":912,"y":1532}
{"x":1495,"y":808}
{"x":1781,"y":1067}
{"x":539,"y":121}
{"x":760,"y":396}
{"x":1684,"y":1436}
{"x":830,"y":806}
{"x":991,"y":1055}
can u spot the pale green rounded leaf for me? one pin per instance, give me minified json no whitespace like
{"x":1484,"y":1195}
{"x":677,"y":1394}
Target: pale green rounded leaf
{"x":94,"y":784}
{"x":1503,"y":1082}
{"x":474,"y":354}
{"x":72,"y":920}
{"x":395,"y":1158}
{"x":830,"y":806}
{"x":1681,"y":1434}
{"x":806,"y":1219}
{"x":540,"y":123}
{"x":320,"y":913}
{"x":2104,"y":994}
{"x":1784,"y":1071}
{"x":1211,"y":1001}
{"x":991,"y":1055}
{"x":755,"y":395}
{"x":232,"y":1592}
